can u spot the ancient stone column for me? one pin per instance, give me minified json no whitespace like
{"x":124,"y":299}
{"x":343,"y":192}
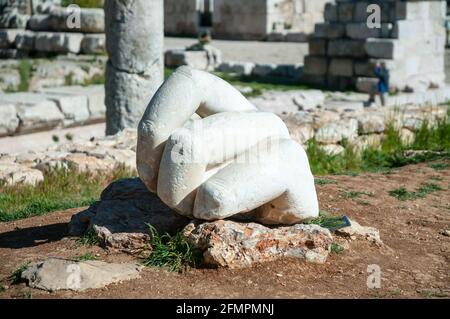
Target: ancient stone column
{"x":135,"y":69}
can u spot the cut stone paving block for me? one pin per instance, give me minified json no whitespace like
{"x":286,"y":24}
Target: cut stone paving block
{"x":12,"y":54}
{"x":74,"y":107}
{"x":240,"y":68}
{"x":56,"y":274}
{"x":35,"y":111}
{"x":94,"y":93}
{"x":9,"y":121}
{"x":40,"y":22}
{"x":360,"y":31}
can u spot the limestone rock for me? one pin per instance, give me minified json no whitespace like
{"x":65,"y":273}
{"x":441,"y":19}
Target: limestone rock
{"x":238,"y":245}
{"x":335,"y":132}
{"x":239,"y":68}
{"x":194,"y":59}
{"x":333,"y":149}
{"x":122,"y":216}
{"x":12,"y":174}
{"x":35,"y":111}
{"x":371,"y":124}
{"x":60,"y":274}
{"x":8,"y":119}
{"x":309,"y":99}
{"x":356,"y":230}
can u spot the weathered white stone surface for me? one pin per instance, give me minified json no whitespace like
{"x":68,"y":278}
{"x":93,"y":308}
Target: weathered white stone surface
{"x":9,"y":121}
{"x":12,"y":174}
{"x":35,"y":111}
{"x":337,"y":131}
{"x":61,"y":274}
{"x":134,"y":42}
{"x":237,"y":245}
{"x":194,"y":59}
{"x":355,"y":230}
{"x":58,"y":42}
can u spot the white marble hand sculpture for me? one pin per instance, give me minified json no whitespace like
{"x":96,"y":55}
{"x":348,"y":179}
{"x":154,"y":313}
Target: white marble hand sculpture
{"x":209,"y":154}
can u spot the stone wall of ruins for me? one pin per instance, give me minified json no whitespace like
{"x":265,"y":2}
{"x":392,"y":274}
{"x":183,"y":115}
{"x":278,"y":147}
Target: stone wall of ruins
{"x":411,"y":40}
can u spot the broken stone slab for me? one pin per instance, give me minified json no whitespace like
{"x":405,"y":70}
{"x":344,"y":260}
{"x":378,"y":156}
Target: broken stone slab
{"x":56,"y":274}
{"x":94,"y":93}
{"x":9,"y":121}
{"x":237,"y":245}
{"x":74,"y":108}
{"x":25,"y":41}
{"x":355,"y":230}
{"x":12,"y":54}
{"x":35,"y":111}
{"x":12,"y":174}
{"x":92,"y":20}
{"x":368,"y":124}
{"x":335,"y":132}
{"x":122,"y":217}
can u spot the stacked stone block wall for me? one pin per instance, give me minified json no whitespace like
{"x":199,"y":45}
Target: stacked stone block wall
{"x":410,"y":40}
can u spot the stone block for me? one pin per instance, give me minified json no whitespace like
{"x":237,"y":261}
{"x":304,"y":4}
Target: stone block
{"x":318,"y":46}
{"x":360,"y":31}
{"x":329,"y":30}
{"x":40,"y":22}
{"x":345,"y":12}
{"x":12,"y":54}
{"x":346,"y":48}
{"x":58,"y":42}
{"x":383,"y":48}
{"x":73,"y":107}
{"x":95,"y":95}
{"x":341,"y":67}
{"x":315,"y":65}
{"x":194,"y":59}
{"x":35,"y":111}
{"x":25,"y":41}
{"x":9,"y":122}
{"x":93,"y":44}
{"x":8,"y":37}
{"x":240,"y":68}
{"x":366,"y":85}
{"x":331,"y":13}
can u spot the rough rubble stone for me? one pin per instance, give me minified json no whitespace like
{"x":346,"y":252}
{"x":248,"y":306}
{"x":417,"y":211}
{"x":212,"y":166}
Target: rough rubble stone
{"x":12,"y":174}
{"x":122,"y":216}
{"x":60,"y":274}
{"x":93,"y":44}
{"x":237,"y":245}
{"x":335,"y":132}
{"x":9,"y":121}
{"x":355,"y":230}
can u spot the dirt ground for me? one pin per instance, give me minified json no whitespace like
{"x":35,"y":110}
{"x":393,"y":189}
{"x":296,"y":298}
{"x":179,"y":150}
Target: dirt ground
{"x":416,"y":264}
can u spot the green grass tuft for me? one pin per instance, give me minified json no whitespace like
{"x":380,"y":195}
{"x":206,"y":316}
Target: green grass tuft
{"x":84,"y":3}
{"x":171,"y":252}
{"x":89,"y":238}
{"x":356,"y":194}
{"x":440,"y":166}
{"x":336,"y":248}
{"x":86,"y":257}
{"x":425,"y":189}
{"x":326,"y":221}
{"x":324,"y":181}
{"x":61,"y":189}
{"x":16,"y":276}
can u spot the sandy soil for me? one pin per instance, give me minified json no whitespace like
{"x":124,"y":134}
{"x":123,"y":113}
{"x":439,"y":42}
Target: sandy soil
{"x":416,"y":264}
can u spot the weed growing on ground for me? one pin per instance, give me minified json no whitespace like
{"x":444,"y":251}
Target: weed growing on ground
{"x":171,"y":252}
{"x":425,"y":189}
{"x":336,"y":248}
{"x":89,"y":238}
{"x":16,"y":276}
{"x":61,"y":189}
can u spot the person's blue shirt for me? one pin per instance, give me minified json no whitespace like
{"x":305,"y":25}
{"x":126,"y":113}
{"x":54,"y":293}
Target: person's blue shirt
{"x":383,"y":79}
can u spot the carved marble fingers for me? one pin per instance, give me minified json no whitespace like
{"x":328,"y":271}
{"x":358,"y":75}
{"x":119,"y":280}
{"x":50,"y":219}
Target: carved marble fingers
{"x":233,"y":159}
